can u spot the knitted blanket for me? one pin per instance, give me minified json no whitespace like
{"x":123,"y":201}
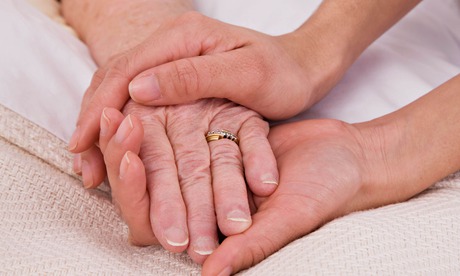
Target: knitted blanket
{"x":51,"y":225}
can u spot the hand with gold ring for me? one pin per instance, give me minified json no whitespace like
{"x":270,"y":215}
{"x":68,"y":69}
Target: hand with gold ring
{"x":174,"y":186}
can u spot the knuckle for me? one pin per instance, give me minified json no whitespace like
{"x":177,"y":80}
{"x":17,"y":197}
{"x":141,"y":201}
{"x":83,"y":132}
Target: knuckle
{"x":201,"y":213}
{"x":98,"y":77}
{"x":167,"y":206}
{"x":187,"y":78}
{"x":157,"y":161}
{"x":193,"y":170}
{"x":226,"y":154}
{"x":131,"y":107}
{"x":120,"y":69}
{"x":149,"y":115}
{"x":255,"y":130}
{"x":190,"y":17}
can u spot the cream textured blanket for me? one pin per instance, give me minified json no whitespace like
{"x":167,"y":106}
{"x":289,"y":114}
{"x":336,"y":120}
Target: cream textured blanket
{"x":51,"y":225}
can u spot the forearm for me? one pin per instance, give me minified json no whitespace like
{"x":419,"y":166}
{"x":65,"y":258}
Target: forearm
{"x":421,"y":142}
{"x":342,"y":30}
{"x":110,"y":27}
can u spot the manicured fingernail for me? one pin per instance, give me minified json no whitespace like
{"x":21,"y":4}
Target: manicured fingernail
{"x":238,"y":216}
{"x":226,"y":271}
{"x":105,"y":122}
{"x":77,"y":163}
{"x":124,"y":165}
{"x":124,"y":130}
{"x":73,"y":144}
{"x":204,"y":246}
{"x":145,"y":88}
{"x":87,"y":174}
{"x":176,"y":236}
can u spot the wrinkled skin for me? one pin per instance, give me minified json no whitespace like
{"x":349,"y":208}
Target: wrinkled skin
{"x":176,"y":198}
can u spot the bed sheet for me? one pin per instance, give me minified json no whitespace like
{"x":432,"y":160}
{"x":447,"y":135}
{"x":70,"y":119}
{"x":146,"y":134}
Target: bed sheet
{"x":45,"y":69}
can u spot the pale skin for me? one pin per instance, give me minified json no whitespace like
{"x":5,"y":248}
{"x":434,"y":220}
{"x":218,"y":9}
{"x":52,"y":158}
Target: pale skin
{"x":175,"y":153}
{"x":328,"y":169}
{"x":383,"y":161}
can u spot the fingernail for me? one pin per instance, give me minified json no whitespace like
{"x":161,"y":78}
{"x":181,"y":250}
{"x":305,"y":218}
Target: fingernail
{"x":204,"y":246}
{"x":87,"y":174}
{"x":73,"y":144}
{"x":77,"y":163}
{"x":269,"y":179}
{"x":176,"y":236}
{"x":105,"y":122}
{"x":238,"y":216}
{"x":124,"y":130}
{"x":124,"y":165}
{"x":145,"y":88}
{"x":226,"y":271}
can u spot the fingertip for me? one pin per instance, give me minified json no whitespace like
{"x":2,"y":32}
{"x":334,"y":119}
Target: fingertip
{"x":235,"y":222}
{"x":84,"y":137}
{"x":124,"y":165}
{"x":87,"y":175}
{"x":262,"y":184}
{"x":261,"y":170}
{"x":77,"y":163}
{"x":145,"y":88}
{"x":73,"y":142}
{"x":269,"y":183}
{"x":110,"y":121}
{"x":104,"y":123}
{"x":202,"y":248}
{"x":176,"y":239}
{"x":129,"y":190}
{"x":145,"y":239}
{"x":221,"y":261}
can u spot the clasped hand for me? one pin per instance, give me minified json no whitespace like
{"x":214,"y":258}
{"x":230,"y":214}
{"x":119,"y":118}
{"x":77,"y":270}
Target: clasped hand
{"x":162,"y":181}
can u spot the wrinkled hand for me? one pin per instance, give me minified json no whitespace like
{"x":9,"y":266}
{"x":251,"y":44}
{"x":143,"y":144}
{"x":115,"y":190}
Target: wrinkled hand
{"x":327,"y":169}
{"x":166,"y":194}
{"x":197,"y":57}
{"x":109,"y":31}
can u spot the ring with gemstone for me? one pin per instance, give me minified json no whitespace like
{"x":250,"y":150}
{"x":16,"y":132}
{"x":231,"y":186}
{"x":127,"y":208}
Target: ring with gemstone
{"x":218,"y":134}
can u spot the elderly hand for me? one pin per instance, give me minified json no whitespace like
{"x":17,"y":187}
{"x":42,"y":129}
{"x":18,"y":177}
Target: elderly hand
{"x":167,"y":194}
{"x":198,"y":57}
{"x":109,"y":31}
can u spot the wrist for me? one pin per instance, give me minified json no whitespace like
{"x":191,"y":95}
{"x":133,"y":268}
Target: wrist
{"x":112,"y":27}
{"x":322,"y":64}
{"x":390,"y":165}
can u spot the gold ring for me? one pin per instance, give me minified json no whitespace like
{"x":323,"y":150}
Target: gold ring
{"x":218,"y":134}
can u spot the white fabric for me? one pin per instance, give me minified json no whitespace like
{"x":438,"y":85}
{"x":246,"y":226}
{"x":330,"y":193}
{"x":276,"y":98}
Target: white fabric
{"x":45,"y":70}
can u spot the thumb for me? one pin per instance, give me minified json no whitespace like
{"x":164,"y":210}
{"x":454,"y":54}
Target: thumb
{"x":233,"y":75}
{"x":272,"y":229}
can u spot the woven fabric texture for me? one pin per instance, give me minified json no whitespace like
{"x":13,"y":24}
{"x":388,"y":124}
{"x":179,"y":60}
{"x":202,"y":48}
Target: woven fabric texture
{"x":51,"y":225}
